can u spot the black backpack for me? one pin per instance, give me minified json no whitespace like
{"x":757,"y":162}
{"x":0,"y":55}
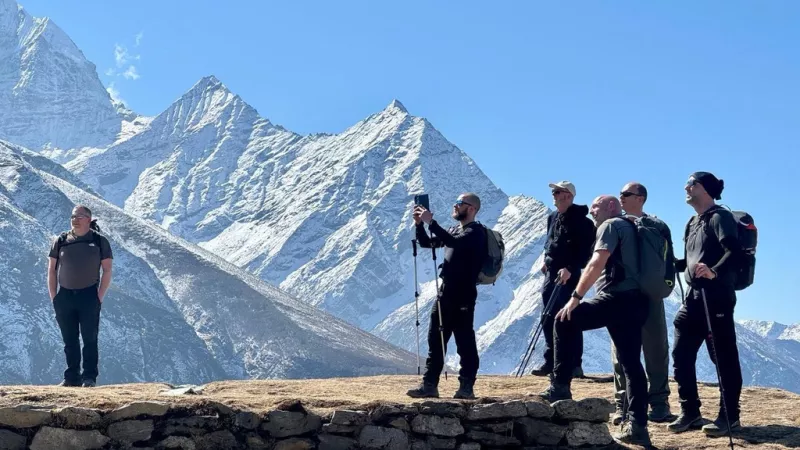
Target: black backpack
{"x":745,"y":260}
{"x":62,"y":238}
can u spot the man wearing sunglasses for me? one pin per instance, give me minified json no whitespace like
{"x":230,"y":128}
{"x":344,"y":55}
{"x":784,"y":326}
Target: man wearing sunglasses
{"x":465,"y":249}
{"x":711,"y":248}
{"x":77,"y":292}
{"x":654,"y":332}
{"x":570,"y":234}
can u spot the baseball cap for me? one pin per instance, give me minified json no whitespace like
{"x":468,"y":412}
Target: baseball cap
{"x":566,"y":185}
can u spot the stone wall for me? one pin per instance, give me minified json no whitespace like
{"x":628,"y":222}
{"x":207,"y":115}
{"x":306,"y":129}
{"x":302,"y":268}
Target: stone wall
{"x":211,"y":425}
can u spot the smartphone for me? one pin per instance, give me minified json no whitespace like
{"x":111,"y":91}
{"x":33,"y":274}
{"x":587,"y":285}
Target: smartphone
{"x":422,"y":200}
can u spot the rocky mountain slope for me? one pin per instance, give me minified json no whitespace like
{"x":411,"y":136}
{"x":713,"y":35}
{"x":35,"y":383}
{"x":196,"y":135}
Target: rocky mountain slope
{"x":174,"y":312}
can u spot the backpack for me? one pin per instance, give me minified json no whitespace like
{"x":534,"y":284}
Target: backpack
{"x":745,"y":260}
{"x":656,"y":257}
{"x":493,"y":261}
{"x":62,"y":238}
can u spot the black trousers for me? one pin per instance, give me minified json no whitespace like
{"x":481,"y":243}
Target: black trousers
{"x":458,"y":314}
{"x":561,"y":298}
{"x":691,"y":331}
{"x":623,"y":314}
{"x":78,"y":315}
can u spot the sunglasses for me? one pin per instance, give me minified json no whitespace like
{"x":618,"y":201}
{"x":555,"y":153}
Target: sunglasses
{"x":78,"y":216}
{"x":691,"y":182}
{"x":462,"y":202}
{"x":627,"y":194}
{"x":558,"y":191}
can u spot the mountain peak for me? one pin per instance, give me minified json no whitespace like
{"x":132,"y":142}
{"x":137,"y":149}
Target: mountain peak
{"x":208,"y":82}
{"x":396,"y":105}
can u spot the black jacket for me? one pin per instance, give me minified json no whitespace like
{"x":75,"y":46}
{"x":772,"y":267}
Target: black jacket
{"x":463,"y":255}
{"x":570,"y":238}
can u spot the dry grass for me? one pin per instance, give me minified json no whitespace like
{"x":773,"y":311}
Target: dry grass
{"x":771,"y":417}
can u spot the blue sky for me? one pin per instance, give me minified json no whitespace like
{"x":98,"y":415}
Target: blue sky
{"x":599,"y":93}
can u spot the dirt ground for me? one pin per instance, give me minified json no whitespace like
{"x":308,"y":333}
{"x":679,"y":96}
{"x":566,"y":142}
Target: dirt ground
{"x":770,"y":417}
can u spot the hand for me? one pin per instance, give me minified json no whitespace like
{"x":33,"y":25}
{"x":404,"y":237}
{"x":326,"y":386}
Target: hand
{"x":544,"y":268}
{"x":703,"y":271}
{"x":416,"y":216}
{"x":424,"y":215}
{"x":563,"y":275}
{"x":566,"y":312}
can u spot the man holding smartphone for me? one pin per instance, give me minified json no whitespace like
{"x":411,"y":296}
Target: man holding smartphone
{"x":465,"y":249}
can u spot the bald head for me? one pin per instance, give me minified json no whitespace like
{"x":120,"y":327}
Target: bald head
{"x":605,"y":207}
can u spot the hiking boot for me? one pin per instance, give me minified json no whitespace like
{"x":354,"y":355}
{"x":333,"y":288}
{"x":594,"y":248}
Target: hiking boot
{"x":618,"y":417}
{"x":424,"y":390}
{"x":633,"y":433}
{"x":89,"y":383}
{"x":556,"y":392}
{"x":543,"y":370}
{"x":660,"y":412}
{"x":685,"y":421}
{"x":578,"y":372}
{"x":465,"y":389}
{"x":67,"y":383}
{"x":719,"y":427}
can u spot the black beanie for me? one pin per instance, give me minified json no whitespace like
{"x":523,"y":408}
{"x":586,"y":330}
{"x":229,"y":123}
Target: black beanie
{"x":711,"y":184}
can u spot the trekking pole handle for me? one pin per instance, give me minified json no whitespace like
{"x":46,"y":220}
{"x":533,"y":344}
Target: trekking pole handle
{"x":414,"y":247}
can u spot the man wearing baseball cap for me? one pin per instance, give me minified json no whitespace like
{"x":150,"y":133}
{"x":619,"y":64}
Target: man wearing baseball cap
{"x":570,"y":234}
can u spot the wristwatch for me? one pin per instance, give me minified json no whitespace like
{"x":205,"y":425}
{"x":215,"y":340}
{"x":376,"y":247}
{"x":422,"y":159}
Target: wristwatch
{"x":575,"y":294}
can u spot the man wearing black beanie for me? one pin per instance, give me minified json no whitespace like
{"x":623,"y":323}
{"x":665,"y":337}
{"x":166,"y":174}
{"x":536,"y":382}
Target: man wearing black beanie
{"x":711,"y":247}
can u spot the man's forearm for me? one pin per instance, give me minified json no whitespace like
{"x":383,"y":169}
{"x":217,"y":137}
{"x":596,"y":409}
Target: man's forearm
{"x":52,"y":283}
{"x":105,"y":282}
{"x":589,"y":276}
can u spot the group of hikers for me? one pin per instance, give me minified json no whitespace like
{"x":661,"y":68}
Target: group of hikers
{"x":580,"y":253}
{"x":605,"y":253}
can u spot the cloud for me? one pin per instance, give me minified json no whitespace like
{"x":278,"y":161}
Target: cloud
{"x":110,"y":72}
{"x":114,"y":93}
{"x":131,"y":73}
{"x":138,"y":38}
{"x":122,"y":57}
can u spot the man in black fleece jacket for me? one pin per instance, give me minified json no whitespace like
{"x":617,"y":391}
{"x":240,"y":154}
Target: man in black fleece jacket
{"x":465,"y":249}
{"x":711,"y":248}
{"x":570,"y":235}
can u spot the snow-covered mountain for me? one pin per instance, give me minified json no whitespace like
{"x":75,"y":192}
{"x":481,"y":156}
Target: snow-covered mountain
{"x":175,"y":312}
{"x":51,"y":98}
{"x":326,"y":217}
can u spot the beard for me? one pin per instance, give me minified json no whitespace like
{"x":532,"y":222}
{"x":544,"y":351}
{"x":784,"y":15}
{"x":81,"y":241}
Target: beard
{"x":460,"y":215}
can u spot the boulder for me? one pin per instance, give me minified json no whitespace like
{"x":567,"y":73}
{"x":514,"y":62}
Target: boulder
{"x":373,"y":437}
{"x":283,"y":424}
{"x":585,"y":433}
{"x":130,"y":431}
{"x":218,"y":440}
{"x":25,"y":416}
{"x":332,"y":442}
{"x":446,"y":409}
{"x":588,"y":410}
{"x":176,"y":442}
{"x":58,"y":438}
{"x":505,"y":410}
{"x":539,"y":409}
{"x":438,"y":443}
{"x":247,"y":420}
{"x":193,"y":425}
{"x":72,"y":417}
{"x":12,"y":441}
{"x":538,"y":432}
{"x":492,"y":439}
{"x":138,"y":409}
{"x":437,"y":426}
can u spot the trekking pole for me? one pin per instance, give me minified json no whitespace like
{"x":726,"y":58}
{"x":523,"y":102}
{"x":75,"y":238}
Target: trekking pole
{"x":439,"y":307}
{"x":716,"y":364}
{"x":416,"y":300}
{"x":526,"y":358}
